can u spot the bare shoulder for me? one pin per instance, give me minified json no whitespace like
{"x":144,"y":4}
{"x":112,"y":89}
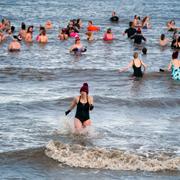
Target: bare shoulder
{"x":76,"y":99}
{"x":90,"y":99}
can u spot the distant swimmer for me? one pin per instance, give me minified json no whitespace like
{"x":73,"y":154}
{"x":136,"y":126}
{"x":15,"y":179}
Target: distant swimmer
{"x":2,"y":36}
{"x":131,"y":31}
{"x":177,"y":44}
{"x":73,"y":34}
{"x":92,"y":27}
{"x":137,"y":21}
{"x":175,"y":39}
{"x":14,"y":45}
{"x":108,"y":36}
{"x":138,"y":37}
{"x":43,"y":37}
{"x":114,"y":17}
{"x":48,"y":25}
{"x":84,"y":104}
{"x":171,"y":25}
{"x":136,"y":64}
{"x":63,"y":35}
{"x":90,"y":36}
{"x":22,"y":31}
{"x":144,"y":51}
{"x":146,"y":22}
{"x":163,"y":41}
{"x":77,"y":48}
{"x":174,"y":66}
{"x":29,"y":34}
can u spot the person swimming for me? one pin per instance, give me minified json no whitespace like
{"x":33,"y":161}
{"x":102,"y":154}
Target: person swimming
{"x":114,"y":17}
{"x":163,"y":41}
{"x":14,"y":45}
{"x":77,"y":48}
{"x":43,"y":37}
{"x":136,"y":64}
{"x":131,"y":31}
{"x":48,"y":25}
{"x":29,"y":33}
{"x":108,"y":36}
{"x":92,"y":27}
{"x":22,"y":31}
{"x":63,"y":35}
{"x":84,"y":104}
{"x":146,"y":22}
{"x":138,"y":37}
{"x":144,"y":51}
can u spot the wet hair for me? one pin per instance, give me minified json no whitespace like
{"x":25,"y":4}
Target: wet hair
{"x":175,"y":55}
{"x":43,"y":32}
{"x":135,"y":55}
{"x":178,"y":39}
{"x":109,"y":30}
{"x":28,"y":30}
{"x":144,"y":50}
{"x":42,"y":28}
{"x":144,"y":19}
{"x":63,"y":30}
{"x":162,"y":37}
{"x":23,"y":26}
{"x":130,"y":24}
{"x":77,"y":39}
{"x":12,"y":29}
{"x":172,"y":21}
{"x":90,"y":22}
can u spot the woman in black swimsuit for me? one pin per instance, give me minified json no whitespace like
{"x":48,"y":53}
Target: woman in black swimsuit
{"x":136,"y":64}
{"x":84,"y":104}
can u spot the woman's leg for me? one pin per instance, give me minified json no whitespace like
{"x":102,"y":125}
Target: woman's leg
{"x":87,"y":123}
{"x":77,"y":124}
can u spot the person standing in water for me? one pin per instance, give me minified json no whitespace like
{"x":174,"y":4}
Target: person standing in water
{"x":84,"y":104}
{"x":77,"y":48}
{"x":174,"y":66}
{"x":136,"y":64}
{"x":14,"y":45}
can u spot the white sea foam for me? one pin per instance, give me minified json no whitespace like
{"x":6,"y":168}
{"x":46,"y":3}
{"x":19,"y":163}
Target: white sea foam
{"x":85,"y":157}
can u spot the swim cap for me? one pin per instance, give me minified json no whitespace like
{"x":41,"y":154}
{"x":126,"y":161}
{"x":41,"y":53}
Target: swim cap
{"x":85,"y":88}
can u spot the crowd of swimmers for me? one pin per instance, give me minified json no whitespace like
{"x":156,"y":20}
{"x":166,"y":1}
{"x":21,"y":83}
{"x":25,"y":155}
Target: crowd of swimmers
{"x":73,"y":28}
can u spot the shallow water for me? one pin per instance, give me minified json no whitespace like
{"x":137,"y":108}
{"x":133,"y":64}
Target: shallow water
{"x":140,"y":118}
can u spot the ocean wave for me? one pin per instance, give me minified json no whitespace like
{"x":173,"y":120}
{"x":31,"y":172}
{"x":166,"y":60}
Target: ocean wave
{"x":113,"y":159}
{"x":53,"y":73}
{"x":100,"y":101}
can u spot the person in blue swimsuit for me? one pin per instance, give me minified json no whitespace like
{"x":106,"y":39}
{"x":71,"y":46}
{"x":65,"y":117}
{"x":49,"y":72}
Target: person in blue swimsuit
{"x":77,"y":48}
{"x":174,"y":66}
{"x":137,"y":65}
{"x":84,"y":104}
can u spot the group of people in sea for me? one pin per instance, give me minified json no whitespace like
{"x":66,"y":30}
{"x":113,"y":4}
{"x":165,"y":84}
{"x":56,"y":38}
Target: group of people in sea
{"x":73,"y":28}
{"x":84,"y":102}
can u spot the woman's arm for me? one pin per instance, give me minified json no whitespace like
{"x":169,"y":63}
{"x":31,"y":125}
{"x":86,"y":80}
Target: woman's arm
{"x":126,"y":68}
{"x":72,"y":47}
{"x":144,"y":65}
{"x":91,"y":102}
{"x":170,"y":66}
{"x":73,"y":104}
